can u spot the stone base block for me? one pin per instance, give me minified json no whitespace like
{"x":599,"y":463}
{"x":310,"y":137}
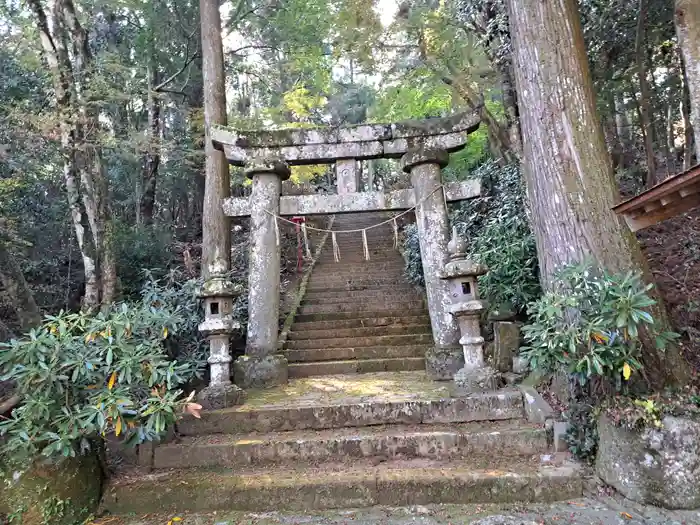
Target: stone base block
{"x":221,"y":396}
{"x":472,"y":380}
{"x":260,"y":372}
{"x":441,"y":364}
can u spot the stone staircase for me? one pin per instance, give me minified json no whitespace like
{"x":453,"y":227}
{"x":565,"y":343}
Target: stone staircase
{"x":336,"y":438}
{"x":344,"y":441}
{"x":359,"y":315}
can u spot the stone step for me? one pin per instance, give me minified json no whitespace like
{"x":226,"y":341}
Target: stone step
{"x":400,"y":320}
{"x":361,"y":484}
{"x":372,"y":306}
{"x":371,"y":280}
{"x":345,"y":294}
{"x":423,"y":328}
{"x":361,"y":300}
{"x":368,"y":352}
{"x":496,"y":439}
{"x":337,"y":316}
{"x":357,"y":273}
{"x":355,"y":411}
{"x":396,"y":287}
{"x":361,"y":366}
{"x":355,"y":342}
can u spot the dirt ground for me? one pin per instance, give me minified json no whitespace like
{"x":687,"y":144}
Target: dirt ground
{"x":673,"y":251}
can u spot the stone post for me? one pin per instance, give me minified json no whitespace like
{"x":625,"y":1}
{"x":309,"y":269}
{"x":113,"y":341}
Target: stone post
{"x":218,"y":294}
{"x":347,"y":176}
{"x":424,"y":165}
{"x":261,"y":366}
{"x":467,"y":307}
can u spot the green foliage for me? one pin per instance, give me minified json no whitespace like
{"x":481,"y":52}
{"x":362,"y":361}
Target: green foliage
{"x":416,"y":96}
{"x":82,"y":376}
{"x":141,"y":247}
{"x":498,"y":235}
{"x":410,"y":249}
{"x":590,"y":324}
{"x":582,"y":434}
{"x":638,"y":413}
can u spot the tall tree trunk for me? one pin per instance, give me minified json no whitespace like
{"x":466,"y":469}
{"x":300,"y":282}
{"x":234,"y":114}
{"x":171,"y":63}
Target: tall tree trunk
{"x":17,"y":290}
{"x":84,"y":176}
{"x":640,"y":52}
{"x":216,"y":229}
{"x":687,"y":20}
{"x":151,"y":160}
{"x":570,"y":183}
{"x":622,"y":123}
{"x":688,"y":136}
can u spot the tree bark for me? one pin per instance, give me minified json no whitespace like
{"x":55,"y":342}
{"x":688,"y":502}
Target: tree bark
{"x":570,"y":183}
{"x":17,"y":290}
{"x":688,"y":136}
{"x":687,"y":20}
{"x":151,"y":160}
{"x":646,"y":123}
{"x":216,"y":231}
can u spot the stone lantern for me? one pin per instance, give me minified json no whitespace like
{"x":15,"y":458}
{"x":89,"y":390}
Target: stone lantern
{"x":466,"y":307}
{"x":218,"y":294}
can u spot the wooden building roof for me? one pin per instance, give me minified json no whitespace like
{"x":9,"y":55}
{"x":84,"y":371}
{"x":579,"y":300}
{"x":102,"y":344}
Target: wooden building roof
{"x":667,"y":199}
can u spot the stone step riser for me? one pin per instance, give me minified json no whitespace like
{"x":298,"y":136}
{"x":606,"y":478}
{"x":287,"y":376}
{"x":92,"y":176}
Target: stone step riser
{"x":305,"y":318}
{"x":341,"y":354}
{"x":359,"y":332}
{"x":402,"y":487}
{"x":438,"y":444}
{"x":361,"y":301}
{"x":311,"y":327}
{"x":345,"y":287}
{"x":361,"y":280}
{"x":504,"y":405}
{"x":346,"y":294}
{"x":363,"y":366}
{"x":373,"y":306}
{"x":355,"y":342}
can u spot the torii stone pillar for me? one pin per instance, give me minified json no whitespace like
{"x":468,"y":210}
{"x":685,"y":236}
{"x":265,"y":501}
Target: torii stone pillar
{"x":425,"y":164}
{"x":262,"y":366}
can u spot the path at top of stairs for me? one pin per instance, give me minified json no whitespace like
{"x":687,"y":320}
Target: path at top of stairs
{"x":359,"y":316}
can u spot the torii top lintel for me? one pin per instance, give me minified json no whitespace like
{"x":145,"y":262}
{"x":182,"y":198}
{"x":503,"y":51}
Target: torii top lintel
{"x":326,"y":145}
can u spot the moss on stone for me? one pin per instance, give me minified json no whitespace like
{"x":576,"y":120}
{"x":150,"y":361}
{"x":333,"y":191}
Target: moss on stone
{"x":63,"y":492}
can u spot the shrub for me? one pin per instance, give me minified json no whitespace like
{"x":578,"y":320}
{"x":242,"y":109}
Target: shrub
{"x":589,"y":325}
{"x":498,"y":235}
{"x":82,"y":376}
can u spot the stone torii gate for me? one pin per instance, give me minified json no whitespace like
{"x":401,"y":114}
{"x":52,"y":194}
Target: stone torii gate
{"x":423,"y":147}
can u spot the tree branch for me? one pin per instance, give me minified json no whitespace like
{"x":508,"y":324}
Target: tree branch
{"x":160,"y":87}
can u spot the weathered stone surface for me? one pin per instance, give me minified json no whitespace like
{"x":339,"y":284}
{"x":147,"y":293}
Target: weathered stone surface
{"x":293,"y":205}
{"x":493,"y":406}
{"x":481,"y":379}
{"x":502,"y":520}
{"x":442,"y":363}
{"x":520,"y":365}
{"x":433,"y":235}
{"x":359,"y":366}
{"x":221,"y":396}
{"x":655,"y":466}
{"x":393,"y":442}
{"x":559,"y":430}
{"x":537,"y":409}
{"x":506,"y":345}
{"x":313,"y":146}
{"x":260,"y":372}
{"x":319,"y":488}
{"x":264,"y":263}
{"x":61,"y":492}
